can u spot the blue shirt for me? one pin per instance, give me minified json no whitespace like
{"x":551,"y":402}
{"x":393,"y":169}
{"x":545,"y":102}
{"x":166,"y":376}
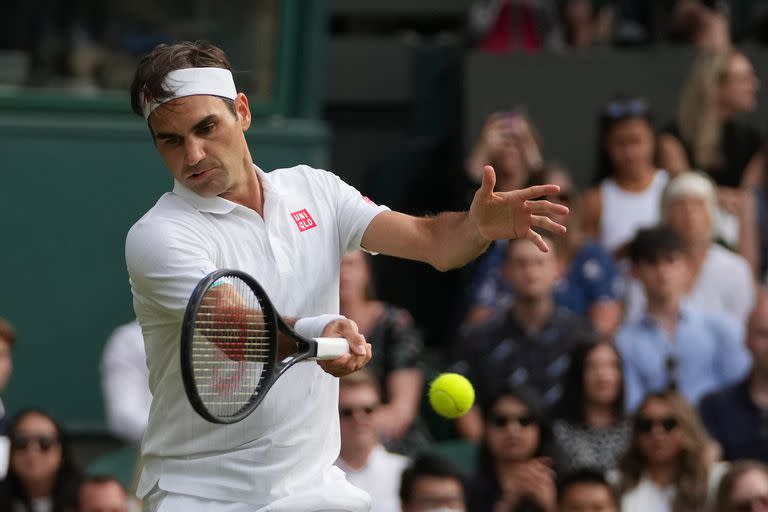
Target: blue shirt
{"x":709,"y":350}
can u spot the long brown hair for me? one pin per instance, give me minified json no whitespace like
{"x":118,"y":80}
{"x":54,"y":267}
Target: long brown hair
{"x":693,"y":476}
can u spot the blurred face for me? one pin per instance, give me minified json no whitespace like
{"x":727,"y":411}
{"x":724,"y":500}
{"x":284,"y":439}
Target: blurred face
{"x":690,"y":217}
{"x":630,"y":145}
{"x":602,"y":376}
{"x":738,"y":88}
{"x":578,"y":11}
{"x":664,"y":279}
{"x":6,"y":364}
{"x":35,"y":450}
{"x":202,"y":143}
{"x":587,"y":497}
{"x":432,"y":493}
{"x":531,"y":273}
{"x":102,"y":497}
{"x":357,"y":406}
{"x":511,"y":431}
{"x":658,"y":433}
{"x":757,"y":339}
{"x":750,"y":493}
{"x":355,"y":275}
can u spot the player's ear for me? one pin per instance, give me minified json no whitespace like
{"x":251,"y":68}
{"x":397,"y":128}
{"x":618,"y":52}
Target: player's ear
{"x":243,"y":111}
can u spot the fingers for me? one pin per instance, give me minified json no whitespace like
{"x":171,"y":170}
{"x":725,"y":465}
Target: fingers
{"x":537,"y":240}
{"x":539,"y":191}
{"x":360,"y":350}
{"x":547,"y":223}
{"x":489,"y":181}
{"x":544,"y":207}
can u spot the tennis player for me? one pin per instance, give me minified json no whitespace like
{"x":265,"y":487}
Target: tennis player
{"x":289,"y":229}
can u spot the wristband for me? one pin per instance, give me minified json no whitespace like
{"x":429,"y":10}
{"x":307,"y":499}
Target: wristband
{"x":313,"y":326}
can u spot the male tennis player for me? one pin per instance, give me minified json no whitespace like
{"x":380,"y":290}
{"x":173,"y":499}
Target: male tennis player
{"x":289,"y":229}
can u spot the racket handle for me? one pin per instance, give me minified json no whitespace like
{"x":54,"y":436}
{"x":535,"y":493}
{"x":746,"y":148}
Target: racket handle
{"x":331,"y":348}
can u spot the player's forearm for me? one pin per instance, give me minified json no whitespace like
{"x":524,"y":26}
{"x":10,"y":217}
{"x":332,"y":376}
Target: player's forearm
{"x":453,"y":240}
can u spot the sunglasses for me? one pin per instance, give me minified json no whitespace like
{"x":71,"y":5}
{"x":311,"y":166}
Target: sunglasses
{"x":630,"y":108}
{"x":23,"y":442}
{"x":754,"y":504}
{"x":645,"y":425}
{"x":502,"y":420}
{"x":348,"y":412}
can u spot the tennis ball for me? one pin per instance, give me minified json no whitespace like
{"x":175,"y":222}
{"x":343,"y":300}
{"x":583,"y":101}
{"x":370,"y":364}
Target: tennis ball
{"x":451,"y":395}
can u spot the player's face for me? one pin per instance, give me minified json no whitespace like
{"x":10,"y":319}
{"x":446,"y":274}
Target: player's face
{"x":511,"y":432}
{"x":436,"y":493}
{"x":738,"y":88}
{"x":6,"y":363}
{"x":690,"y":217}
{"x":630,"y":145}
{"x":357,"y":408}
{"x":750,"y":492}
{"x":664,"y":279}
{"x":602,"y":376}
{"x":660,"y":444}
{"x":531,"y":273}
{"x":202,"y":143}
{"x":36,"y":450}
{"x":102,"y":497}
{"x":587,"y":497}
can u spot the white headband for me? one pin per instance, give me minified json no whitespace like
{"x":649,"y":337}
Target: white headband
{"x":191,"y":82}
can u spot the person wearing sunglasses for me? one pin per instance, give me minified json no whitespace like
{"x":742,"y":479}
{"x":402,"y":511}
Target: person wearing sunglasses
{"x":514,"y":460}
{"x":744,"y":488}
{"x":368,"y":465}
{"x":42,"y":475}
{"x":668,"y":467}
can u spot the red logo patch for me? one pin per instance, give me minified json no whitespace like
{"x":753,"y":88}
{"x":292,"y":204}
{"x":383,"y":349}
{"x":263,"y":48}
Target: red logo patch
{"x":303,"y":220}
{"x":369,"y":200}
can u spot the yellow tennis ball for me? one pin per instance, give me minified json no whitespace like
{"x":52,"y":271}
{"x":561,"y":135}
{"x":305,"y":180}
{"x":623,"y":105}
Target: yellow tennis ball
{"x":451,"y":395}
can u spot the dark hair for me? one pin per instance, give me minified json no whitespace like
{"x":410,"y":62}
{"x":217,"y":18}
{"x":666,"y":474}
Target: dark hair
{"x":99,"y":480}
{"x":731,"y":478}
{"x":7,"y":332}
{"x":427,"y":465}
{"x":621,"y":108}
{"x":572,"y":404}
{"x":64,"y":495}
{"x":164,"y":58}
{"x":585,"y":476}
{"x":652,"y":244}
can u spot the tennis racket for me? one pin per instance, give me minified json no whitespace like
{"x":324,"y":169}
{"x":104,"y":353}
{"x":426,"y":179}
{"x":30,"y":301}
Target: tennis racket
{"x":231,"y":339}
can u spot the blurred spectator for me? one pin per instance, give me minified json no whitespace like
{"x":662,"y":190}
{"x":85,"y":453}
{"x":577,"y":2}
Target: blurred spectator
{"x":525,"y":343}
{"x":737,"y":416}
{"x":42,"y":476}
{"x":432,"y":483}
{"x":7,"y":341}
{"x":674,"y":344}
{"x":586,"y":24}
{"x":502,"y":26}
{"x":363,"y":458}
{"x":668,"y":466}
{"x":589,"y":284}
{"x":102,"y":494}
{"x":514,"y":468}
{"x":709,"y":136}
{"x":629,"y":184}
{"x":399,"y":349}
{"x":693,"y":22}
{"x":125,"y":383}
{"x":638,"y":22}
{"x":744,"y":488}
{"x":590,"y":427}
{"x":721,"y":281}
{"x":586,"y":490}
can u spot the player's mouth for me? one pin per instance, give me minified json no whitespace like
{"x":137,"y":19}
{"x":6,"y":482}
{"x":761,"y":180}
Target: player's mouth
{"x":200,"y":174}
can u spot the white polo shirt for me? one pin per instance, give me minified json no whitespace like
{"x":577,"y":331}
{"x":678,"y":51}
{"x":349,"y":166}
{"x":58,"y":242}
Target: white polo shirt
{"x":311,"y":218}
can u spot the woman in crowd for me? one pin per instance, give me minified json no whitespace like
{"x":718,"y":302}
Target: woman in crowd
{"x":668,"y":467}
{"x":590,"y":427}
{"x":42,"y":475}
{"x":514,"y":466}
{"x":399,"y":349}
{"x":744,"y":488}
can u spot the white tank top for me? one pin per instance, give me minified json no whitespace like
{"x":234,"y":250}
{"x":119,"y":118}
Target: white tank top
{"x":623,"y":213}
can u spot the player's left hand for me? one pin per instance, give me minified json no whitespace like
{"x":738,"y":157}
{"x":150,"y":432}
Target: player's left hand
{"x":359,"y":349}
{"x":504,"y":215}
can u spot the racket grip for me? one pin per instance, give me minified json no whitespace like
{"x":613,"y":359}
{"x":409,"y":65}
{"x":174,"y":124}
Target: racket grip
{"x":331,"y":348}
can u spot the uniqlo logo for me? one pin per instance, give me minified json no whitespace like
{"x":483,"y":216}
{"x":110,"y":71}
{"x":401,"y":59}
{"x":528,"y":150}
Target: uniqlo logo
{"x":369,"y":200}
{"x":303,"y":220}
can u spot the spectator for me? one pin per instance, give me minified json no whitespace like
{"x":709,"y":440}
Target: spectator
{"x":398,"y":347}
{"x":693,"y":22}
{"x":125,"y":382}
{"x":737,"y":416}
{"x":514,"y":469}
{"x":744,"y":488}
{"x":585,"y":24}
{"x":668,"y":466}
{"x":102,"y":494}
{"x":432,"y":483}
{"x":674,"y":344}
{"x":586,"y":490}
{"x":721,"y":281}
{"x":363,"y":458}
{"x":629,"y":187}
{"x":525,"y":343}
{"x":502,"y":26}
{"x":589,"y":283}
{"x":7,"y":341}
{"x":591,"y":429}
{"x":42,"y":476}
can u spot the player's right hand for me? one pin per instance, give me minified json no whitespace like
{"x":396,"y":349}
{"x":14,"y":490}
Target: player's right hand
{"x":359,"y":349}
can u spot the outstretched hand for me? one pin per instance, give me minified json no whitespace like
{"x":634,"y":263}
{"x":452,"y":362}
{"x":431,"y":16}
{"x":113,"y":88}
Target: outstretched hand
{"x":505,"y":215}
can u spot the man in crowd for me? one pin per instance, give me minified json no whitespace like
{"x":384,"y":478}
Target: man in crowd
{"x":432,"y":483}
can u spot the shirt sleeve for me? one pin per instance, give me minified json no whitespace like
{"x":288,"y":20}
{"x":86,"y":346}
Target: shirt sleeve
{"x":598,"y":274}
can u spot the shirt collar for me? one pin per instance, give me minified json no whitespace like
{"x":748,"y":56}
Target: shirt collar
{"x":217,"y":204}
{"x":683,"y":315}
